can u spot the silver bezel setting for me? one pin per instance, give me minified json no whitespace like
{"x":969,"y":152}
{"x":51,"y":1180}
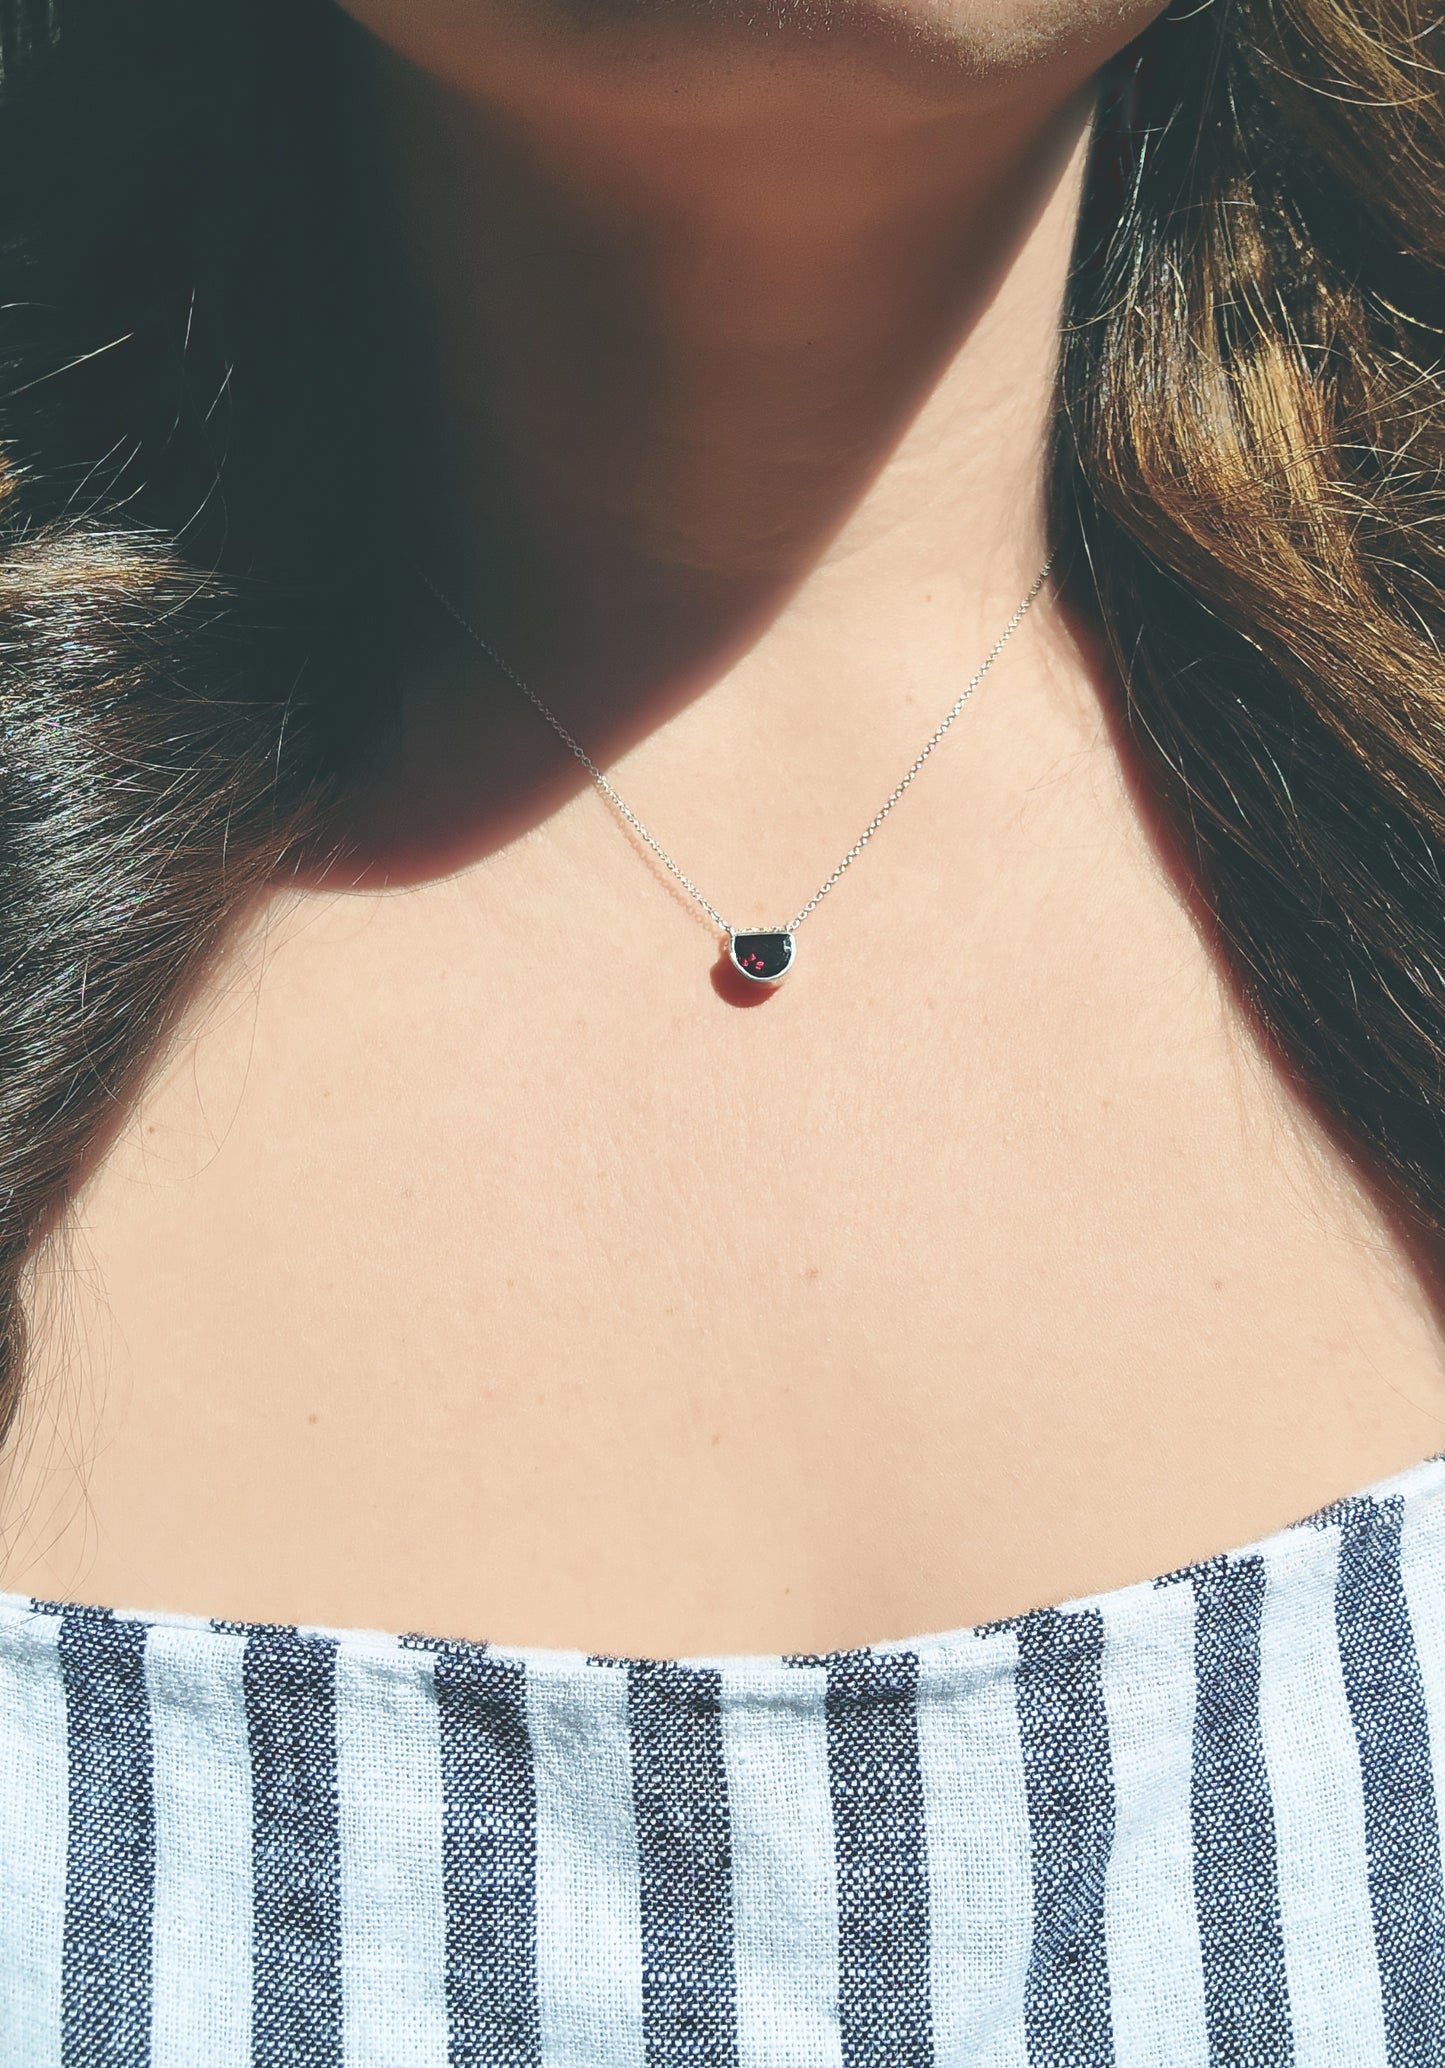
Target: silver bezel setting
{"x":735,"y":933}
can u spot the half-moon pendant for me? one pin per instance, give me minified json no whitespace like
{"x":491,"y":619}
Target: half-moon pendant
{"x":763,"y":958}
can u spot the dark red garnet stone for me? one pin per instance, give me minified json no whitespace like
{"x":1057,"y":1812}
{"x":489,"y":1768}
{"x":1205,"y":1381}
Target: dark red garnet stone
{"x":762,"y":956}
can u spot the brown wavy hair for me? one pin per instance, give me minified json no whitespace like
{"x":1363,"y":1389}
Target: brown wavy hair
{"x":1246,"y":488}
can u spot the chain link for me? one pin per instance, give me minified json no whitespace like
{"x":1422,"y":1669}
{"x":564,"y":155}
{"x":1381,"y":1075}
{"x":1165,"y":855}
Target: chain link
{"x":661,"y":852}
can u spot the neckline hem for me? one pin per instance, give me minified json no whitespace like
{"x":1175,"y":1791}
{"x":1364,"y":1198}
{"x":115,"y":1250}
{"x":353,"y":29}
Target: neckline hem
{"x":1425,"y":1475}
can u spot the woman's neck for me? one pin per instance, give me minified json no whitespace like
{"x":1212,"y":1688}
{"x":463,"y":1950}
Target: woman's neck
{"x":721,"y":361}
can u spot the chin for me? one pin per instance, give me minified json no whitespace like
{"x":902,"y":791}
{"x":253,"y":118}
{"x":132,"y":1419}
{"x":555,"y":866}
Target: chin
{"x":697,"y":60}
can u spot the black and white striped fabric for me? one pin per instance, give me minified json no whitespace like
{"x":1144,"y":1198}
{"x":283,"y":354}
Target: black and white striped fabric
{"x":1188,"y":1822}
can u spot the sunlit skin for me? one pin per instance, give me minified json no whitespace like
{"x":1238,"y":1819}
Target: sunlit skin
{"x":482,"y":1263}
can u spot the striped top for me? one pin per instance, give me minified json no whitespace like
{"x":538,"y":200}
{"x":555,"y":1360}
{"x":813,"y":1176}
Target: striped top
{"x":1188,"y":1821}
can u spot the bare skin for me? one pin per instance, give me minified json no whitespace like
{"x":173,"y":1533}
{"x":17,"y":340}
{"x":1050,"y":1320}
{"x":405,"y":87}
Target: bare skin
{"x":477,"y":1263}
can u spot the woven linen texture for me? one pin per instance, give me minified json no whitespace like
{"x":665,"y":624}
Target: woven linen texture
{"x":1192,"y":1823}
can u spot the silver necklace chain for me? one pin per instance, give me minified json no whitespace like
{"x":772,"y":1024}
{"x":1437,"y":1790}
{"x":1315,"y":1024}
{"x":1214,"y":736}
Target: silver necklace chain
{"x":632,"y":819}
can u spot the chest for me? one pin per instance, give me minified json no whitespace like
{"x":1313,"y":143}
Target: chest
{"x":478,"y":1266}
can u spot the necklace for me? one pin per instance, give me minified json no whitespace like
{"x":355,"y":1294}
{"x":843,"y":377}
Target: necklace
{"x":763,"y":955}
